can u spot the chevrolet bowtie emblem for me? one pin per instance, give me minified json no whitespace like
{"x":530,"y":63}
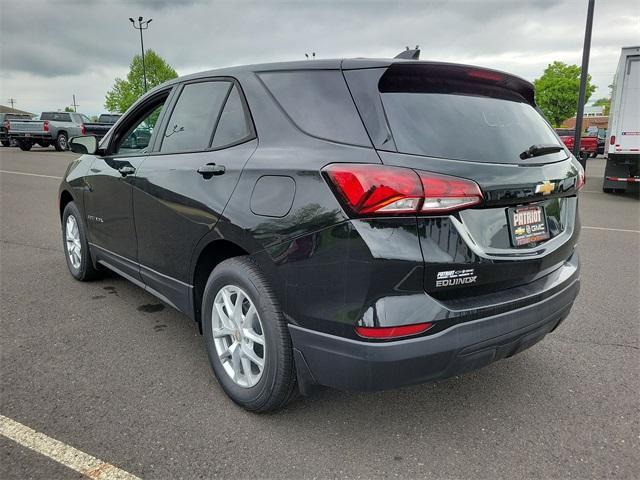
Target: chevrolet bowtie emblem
{"x":545,"y":187}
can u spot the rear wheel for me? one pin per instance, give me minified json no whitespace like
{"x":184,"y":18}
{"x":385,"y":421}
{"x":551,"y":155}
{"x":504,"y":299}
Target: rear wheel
{"x":6,"y":143}
{"x":26,"y":146}
{"x":247,"y":338}
{"x":76,"y":246}
{"x":61,"y":142}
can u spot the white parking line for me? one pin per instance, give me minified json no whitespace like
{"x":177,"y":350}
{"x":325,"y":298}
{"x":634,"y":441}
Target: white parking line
{"x":611,"y":229}
{"x":62,"y":453}
{"x":30,"y":174}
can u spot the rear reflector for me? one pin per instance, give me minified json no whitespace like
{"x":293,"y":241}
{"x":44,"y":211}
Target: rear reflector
{"x":373,"y":189}
{"x":393,"y":332}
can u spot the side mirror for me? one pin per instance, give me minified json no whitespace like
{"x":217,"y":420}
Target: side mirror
{"x":84,"y":145}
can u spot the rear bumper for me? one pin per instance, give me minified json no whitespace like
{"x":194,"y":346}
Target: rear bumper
{"x":31,"y":136}
{"x":323,"y":359}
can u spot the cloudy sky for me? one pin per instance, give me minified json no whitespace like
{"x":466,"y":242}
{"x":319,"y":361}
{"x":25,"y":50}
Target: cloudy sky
{"x":53,"y":49}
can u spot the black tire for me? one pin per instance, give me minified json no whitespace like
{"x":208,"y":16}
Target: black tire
{"x":594,"y":155}
{"x":6,"y":143}
{"x":608,"y":190}
{"x":61,"y":142}
{"x":584,"y":156}
{"x":25,"y":146}
{"x":277,"y":386}
{"x":85,"y":271}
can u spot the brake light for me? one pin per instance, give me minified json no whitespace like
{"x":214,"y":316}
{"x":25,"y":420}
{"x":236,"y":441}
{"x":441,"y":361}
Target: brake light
{"x":393,"y":332}
{"x":7,"y":125}
{"x":83,"y":129}
{"x":368,"y":189}
{"x":45,"y":126}
{"x":612,"y":140}
{"x":485,"y":75}
{"x":581,"y":180}
{"x":445,"y":194}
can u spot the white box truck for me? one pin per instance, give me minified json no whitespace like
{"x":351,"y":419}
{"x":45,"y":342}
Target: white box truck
{"x":622,"y":171}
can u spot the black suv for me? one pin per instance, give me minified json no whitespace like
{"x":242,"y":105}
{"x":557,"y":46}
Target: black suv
{"x":359,"y":224}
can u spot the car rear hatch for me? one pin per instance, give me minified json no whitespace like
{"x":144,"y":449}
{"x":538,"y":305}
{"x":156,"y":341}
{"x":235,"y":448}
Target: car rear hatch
{"x":481,"y":125}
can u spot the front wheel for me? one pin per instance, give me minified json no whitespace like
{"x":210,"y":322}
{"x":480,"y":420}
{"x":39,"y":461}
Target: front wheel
{"x":76,"y":246}
{"x":247,"y":337}
{"x":61,"y":142}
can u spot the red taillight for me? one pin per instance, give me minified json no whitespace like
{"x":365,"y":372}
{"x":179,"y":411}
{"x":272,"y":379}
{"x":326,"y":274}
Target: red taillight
{"x":45,"y":126}
{"x":7,"y":125}
{"x":83,"y":129}
{"x":369,"y":189}
{"x":393,"y":332}
{"x":612,"y":140}
{"x":581,"y":180}
{"x":444,"y":194}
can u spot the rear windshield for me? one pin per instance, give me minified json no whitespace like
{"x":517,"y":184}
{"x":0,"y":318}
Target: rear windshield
{"x":453,"y":112}
{"x":564,"y":132}
{"x":466,"y":127}
{"x":56,"y":116}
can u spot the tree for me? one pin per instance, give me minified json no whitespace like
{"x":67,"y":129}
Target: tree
{"x":69,"y":109}
{"x":124,"y":93}
{"x":557,"y":91}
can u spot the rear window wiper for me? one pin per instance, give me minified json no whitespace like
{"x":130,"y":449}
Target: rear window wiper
{"x":538,"y":150}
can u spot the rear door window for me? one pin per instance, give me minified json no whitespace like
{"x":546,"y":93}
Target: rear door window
{"x":56,"y":116}
{"x":234,"y":125}
{"x":194,"y":117}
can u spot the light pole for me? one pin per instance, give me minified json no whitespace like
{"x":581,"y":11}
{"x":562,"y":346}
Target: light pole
{"x":142,"y":25}
{"x":583,"y":84}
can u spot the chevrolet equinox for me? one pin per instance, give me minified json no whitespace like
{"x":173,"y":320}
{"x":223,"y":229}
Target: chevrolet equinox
{"x":358,"y":224}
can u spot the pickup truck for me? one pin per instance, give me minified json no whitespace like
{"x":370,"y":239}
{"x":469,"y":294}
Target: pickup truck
{"x":100,"y":128}
{"x":5,"y":118}
{"x":588,"y":145}
{"x":53,"y":128}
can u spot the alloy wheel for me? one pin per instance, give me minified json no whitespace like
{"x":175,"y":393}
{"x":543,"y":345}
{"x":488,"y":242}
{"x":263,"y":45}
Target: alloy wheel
{"x":238,"y":336}
{"x":72,"y":237}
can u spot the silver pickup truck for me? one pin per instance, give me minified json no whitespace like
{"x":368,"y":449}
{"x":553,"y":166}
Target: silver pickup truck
{"x":53,"y":128}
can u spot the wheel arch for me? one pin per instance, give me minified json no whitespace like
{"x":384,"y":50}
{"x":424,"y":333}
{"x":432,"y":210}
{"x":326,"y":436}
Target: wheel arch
{"x":65,"y":199}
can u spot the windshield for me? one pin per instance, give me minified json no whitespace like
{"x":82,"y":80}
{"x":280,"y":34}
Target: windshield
{"x":466,"y":127}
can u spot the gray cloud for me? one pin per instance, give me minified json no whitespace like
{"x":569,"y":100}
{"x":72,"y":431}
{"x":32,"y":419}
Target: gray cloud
{"x":80,"y":46}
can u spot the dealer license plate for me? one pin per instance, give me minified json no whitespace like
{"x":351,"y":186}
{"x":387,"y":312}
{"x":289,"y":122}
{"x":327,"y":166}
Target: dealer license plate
{"x":527,"y":225}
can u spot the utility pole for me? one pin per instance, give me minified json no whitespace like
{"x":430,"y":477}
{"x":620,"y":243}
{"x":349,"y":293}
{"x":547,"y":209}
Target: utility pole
{"x":583,"y":84}
{"x":12,"y":101}
{"x":142,"y":25}
{"x":75,"y":105}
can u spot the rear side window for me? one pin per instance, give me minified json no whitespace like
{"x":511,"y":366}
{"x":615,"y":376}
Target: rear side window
{"x":56,"y":116}
{"x":234,"y":126}
{"x":194,"y":117}
{"x":319,"y":103}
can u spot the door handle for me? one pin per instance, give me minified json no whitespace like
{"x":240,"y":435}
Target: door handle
{"x":126,"y":170}
{"x":211,"y":169}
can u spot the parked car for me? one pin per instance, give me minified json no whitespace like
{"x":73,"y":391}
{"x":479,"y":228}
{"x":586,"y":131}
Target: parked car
{"x":358,"y":224}
{"x":600,"y":134}
{"x":622,"y":171}
{"x":53,"y":128}
{"x":5,"y":119}
{"x":101,"y":127}
{"x":588,"y":144}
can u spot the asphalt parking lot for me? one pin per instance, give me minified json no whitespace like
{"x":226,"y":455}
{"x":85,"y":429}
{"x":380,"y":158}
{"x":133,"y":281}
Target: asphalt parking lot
{"x":108,"y":369}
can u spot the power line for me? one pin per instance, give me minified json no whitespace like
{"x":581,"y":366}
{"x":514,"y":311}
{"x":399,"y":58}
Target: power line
{"x":12,"y":101}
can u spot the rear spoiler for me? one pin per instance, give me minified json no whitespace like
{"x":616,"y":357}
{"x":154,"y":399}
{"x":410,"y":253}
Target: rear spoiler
{"x":436,"y":77}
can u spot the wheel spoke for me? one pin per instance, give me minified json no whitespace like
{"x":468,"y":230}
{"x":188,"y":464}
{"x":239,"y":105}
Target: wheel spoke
{"x":246,"y":367}
{"x":224,"y":319}
{"x":226,"y":298}
{"x":253,"y":336}
{"x":237,"y":307}
{"x":251,"y":355}
{"x":222,"y":332}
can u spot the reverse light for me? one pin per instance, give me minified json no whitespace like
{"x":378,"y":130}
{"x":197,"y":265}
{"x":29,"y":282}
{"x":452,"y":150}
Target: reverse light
{"x":45,"y":126}
{"x":373,"y":189}
{"x":393,"y":332}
